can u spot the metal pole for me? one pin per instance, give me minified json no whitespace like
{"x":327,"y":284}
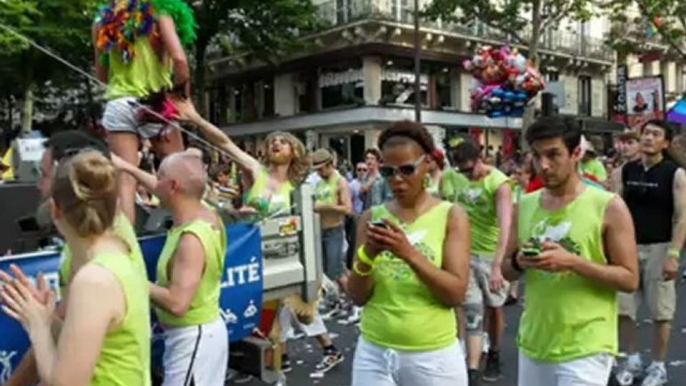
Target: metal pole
{"x":417,"y":66}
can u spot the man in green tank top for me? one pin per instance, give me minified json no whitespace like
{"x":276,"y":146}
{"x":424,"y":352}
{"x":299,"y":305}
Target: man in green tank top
{"x":487,"y":198}
{"x":574,"y":246}
{"x":189,"y":271}
{"x":333,"y":203}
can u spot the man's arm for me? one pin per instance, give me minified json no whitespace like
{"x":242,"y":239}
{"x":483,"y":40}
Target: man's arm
{"x":344,"y":204}
{"x":144,"y":178}
{"x":503,"y":205}
{"x":509,"y":272}
{"x":679,"y":232}
{"x":188,"y":264}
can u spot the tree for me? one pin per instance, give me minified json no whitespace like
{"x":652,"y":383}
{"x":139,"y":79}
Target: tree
{"x":661,"y":19}
{"x":544,"y":15}
{"x":269,"y":30}
{"x":63,"y":27}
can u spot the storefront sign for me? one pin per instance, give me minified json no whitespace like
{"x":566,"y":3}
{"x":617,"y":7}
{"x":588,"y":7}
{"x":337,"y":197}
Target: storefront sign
{"x":331,"y":79}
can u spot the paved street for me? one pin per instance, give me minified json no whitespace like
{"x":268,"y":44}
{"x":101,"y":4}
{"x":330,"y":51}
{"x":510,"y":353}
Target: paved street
{"x":305,"y":352}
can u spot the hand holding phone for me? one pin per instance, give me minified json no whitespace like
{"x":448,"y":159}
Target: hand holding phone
{"x":379,"y":224}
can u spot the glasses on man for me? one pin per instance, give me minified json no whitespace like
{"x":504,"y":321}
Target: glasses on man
{"x":405,"y":170}
{"x":362,"y":170}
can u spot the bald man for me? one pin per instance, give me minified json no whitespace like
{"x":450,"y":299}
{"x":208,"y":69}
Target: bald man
{"x":186,"y":294}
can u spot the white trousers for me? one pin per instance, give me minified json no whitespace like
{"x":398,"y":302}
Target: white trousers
{"x":589,"y":371}
{"x":196,"y":355}
{"x":378,"y":366}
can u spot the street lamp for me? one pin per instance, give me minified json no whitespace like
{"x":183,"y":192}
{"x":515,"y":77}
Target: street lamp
{"x":417,"y":66}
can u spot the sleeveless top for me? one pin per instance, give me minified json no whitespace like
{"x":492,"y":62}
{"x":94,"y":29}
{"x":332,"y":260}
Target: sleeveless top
{"x":649,"y":194}
{"x":402,"y":313}
{"x":204,"y":307}
{"x":121,"y":228}
{"x":124,"y":358}
{"x":142,"y":76}
{"x":478,"y":198}
{"x":580,"y":320}
{"x":325,"y":190}
{"x":267,"y":202}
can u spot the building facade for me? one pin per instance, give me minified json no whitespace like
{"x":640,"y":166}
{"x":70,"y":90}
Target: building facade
{"x":356,"y":77}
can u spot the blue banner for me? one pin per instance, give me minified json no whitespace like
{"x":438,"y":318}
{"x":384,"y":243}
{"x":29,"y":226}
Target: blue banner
{"x":240,"y":301}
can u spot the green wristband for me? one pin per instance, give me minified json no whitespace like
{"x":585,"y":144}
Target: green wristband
{"x":674,"y":252}
{"x":363,"y":257}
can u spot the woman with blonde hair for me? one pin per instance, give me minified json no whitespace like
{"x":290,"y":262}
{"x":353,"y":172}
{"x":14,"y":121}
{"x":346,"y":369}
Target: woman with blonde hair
{"x":105,"y":336}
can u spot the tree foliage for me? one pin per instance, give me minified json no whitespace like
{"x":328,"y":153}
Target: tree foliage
{"x":653,"y":22}
{"x":524,"y":21}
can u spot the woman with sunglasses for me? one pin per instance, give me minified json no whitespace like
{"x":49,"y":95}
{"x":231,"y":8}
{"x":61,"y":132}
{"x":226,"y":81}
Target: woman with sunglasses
{"x":410,"y":272}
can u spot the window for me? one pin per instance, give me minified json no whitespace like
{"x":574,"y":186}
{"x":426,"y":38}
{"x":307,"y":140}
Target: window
{"x":397,"y":83}
{"x":342,"y":85}
{"x":552,"y":76}
{"x":585,"y":95}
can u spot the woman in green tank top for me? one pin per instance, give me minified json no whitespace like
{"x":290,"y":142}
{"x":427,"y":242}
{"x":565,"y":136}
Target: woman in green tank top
{"x":410,"y":272}
{"x":105,"y":336}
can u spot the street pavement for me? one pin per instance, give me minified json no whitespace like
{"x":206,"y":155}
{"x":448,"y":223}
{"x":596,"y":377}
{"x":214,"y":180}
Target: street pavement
{"x":305,"y":352}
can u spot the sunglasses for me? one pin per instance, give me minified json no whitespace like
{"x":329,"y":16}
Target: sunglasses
{"x":405,"y":170}
{"x":362,"y":170}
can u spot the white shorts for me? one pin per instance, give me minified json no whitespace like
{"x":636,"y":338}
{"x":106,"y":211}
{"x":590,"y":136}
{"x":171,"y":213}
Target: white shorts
{"x":589,"y":371}
{"x":288,"y":321}
{"x":196,"y":355}
{"x":378,"y":366}
{"x":121,"y":115}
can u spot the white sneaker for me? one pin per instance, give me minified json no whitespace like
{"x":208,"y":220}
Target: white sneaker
{"x":629,"y":370}
{"x":656,"y":375}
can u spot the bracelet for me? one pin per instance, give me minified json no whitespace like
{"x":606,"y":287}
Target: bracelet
{"x":363,"y":257}
{"x":360,"y":272}
{"x":515,"y":264}
{"x":674,"y":252}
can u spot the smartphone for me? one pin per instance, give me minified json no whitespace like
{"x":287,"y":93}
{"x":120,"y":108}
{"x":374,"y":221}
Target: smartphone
{"x":380,"y":224}
{"x":531,"y":251}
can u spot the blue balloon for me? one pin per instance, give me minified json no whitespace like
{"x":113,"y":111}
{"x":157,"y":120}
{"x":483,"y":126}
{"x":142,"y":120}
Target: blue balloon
{"x":509,"y":96}
{"x":521,"y":96}
{"x":495,"y":114}
{"x":498,"y":92}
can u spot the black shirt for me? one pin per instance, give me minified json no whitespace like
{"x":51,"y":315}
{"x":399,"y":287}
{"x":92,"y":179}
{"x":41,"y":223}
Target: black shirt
{"x":649,"y":194}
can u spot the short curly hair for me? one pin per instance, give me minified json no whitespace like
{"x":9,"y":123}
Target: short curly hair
{"x":408,"y":130}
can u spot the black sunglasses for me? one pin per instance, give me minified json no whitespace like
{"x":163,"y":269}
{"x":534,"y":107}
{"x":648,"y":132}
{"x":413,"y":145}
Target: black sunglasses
{"x":405,"y":170}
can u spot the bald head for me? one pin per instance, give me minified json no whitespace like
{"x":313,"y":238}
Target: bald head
{"x":187,"y":170}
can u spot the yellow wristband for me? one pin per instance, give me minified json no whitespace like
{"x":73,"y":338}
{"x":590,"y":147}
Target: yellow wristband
{"x":674,"y":252}
{"x":360,"y":272}
{"x":363,"y":257}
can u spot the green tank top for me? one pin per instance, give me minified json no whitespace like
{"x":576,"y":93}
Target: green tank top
{"x":267,"y":202}
{"x":453,"y":182}
{"x":142,"y":76}
{"x":478,"y":199}
{"x":325,"y":190}
{"x":124,"y":359}
{"x":581,"y":319}
{"x":121,"y":228}
{"x":204,"y":307}
{"x":402,"y":313}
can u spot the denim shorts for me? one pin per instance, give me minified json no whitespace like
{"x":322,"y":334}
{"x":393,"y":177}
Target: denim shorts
{"x":334,"y":256}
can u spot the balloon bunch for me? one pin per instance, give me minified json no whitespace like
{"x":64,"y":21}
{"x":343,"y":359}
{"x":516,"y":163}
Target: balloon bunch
{"x":506,"y":81}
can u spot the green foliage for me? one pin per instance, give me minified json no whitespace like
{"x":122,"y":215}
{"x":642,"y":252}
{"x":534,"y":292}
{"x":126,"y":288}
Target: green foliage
{"x":507,"y":16}
{"x":666,"y":19}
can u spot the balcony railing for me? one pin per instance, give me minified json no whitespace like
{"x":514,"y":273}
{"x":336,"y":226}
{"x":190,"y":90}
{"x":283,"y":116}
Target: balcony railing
{"x":342,"y":12}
